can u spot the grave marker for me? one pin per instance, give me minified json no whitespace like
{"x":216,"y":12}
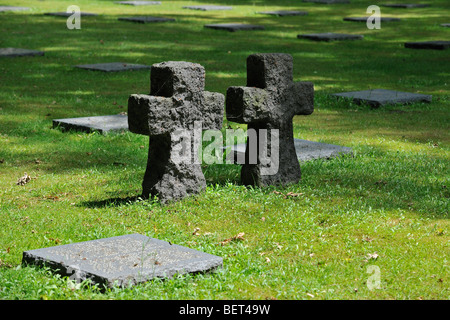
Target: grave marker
{"x":146,"y":19}
{"x":19,"y":52}
{"x":330,"y":36}
{"x":269,"y":102}
{"x":101,"y":124}
{"x":139,"y":3}
{"x":232,"y":27}
{"x":445,"y":25}
{"x":381,"y":97}
{"x":327,"y":1}
{"x":122,"y":261}
{"x":208,"y":8}
{"x":434,"y":45}
{"x":112,"y":66}
{"x":12,"y":8}
{"x":177,"y":101}
{"x":304,"y":149}
{"x":364,"y":19}
{"x":405,"y":5}
{"x":68,"y":14}
{"x":283,"y":13}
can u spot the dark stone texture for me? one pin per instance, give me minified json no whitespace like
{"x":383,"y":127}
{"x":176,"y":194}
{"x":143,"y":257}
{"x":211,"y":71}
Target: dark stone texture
{"x":101,"y":124}
{"x":328,"y":1}
{"x":208,"y":8}
{"x":304,"y":149}
{"x":381,"y":97}
{"x":112,"y":66}
{"x":232,"y":27}
{"x":445,"y":25}
{"x":329,"y":36}
{"x":270,"y":101}
{"x":12,"y":8}
{"x":177,"y":101}
{"x":434,"y":45}
{"x":68,"y":14}
{"x":18,"y":52}
{"x":146,"y":19}
{"x":283,"y":13}
{"x":121,"y":261}
{"x":405,"y":5}
{"x":139,"y":3}
{"x":364,"y":19}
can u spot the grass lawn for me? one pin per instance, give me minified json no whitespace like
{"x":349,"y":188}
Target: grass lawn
{"x":383,"y":213}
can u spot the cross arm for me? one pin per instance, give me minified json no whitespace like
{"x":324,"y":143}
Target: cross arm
{"x":247,"y":104}
{"x":302,"y":98}
{"x":151,"y":115}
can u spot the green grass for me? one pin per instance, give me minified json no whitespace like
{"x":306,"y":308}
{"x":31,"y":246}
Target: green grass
{"x":391,"y":198}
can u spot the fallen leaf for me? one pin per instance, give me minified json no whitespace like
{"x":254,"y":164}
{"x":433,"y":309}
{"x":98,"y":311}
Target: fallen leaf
{"x":267,"y":260}
{"x":239,"y":236}
{"x":23,"y":180}
{"x":373,"y":256}
{"x":309,"y":294}
{"x":195,"y":233}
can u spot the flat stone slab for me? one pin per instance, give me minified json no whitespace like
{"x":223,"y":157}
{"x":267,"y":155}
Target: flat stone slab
{"x":68,"y":14}
{"x":18,"y":52}
{"x":232,"y":27}
{"x":305,"y":150}
{"x":405,"y":5}
{"x":364,"y":19}
{"x":139,"y":3}
{"x":328,"y":1}
{"x":102,"y":124}
{"x":434,"y":45}
{"x":208,"y":8}
{"x":146,"y":19}
{"x":122,"y":261}
{"x":12,"y":8}
{"x":283,"y":13}
{"x":445,"y":25}
{"x":381,"y":97}
{"x":330,"y":36}
{"x":113,"y":66}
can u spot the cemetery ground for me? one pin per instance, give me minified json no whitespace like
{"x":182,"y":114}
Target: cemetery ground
{"x":386,"y":208}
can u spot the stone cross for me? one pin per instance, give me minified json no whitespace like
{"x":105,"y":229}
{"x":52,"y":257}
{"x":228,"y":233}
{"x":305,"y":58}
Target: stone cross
{"x":268,"y":104}
{"x":176,"y":107}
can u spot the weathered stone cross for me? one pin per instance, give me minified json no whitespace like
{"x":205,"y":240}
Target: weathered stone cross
{"x":177,"y":104}
{"x":270,"y":101}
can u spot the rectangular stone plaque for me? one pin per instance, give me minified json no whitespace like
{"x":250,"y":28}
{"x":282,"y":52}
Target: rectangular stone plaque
{"x":405,"y":5}
{"x":283,"y":13}
{"x":18,"y":52}
{"x":12,"y":8}
{"x":330,"y":36}
{"x":445,"y":25}
{"x":122,"y":261}
{"x":146,"y":19}
{"x":232,"y":27}
{"x":139,"y":3}
{"x":305,"y":150}
{"x":113,"y":66}
{"x":434,"y":45}
{"x":102,"y":124}
{"x":364,"y":19}
{"x":328,"y":1}
{"x":380,"y":97}
{"x":208,"y":8}
{"x":68,"y":14}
